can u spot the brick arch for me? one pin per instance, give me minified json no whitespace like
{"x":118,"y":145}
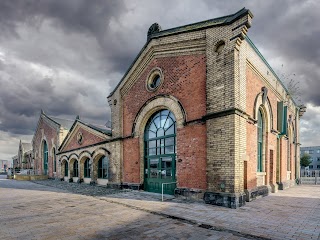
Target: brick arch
{"x":96,"y":155}
{"x":84,"y":155}
{"x":154,"y":105}
{"x":63,"y":161}
{"x":267,"y":110}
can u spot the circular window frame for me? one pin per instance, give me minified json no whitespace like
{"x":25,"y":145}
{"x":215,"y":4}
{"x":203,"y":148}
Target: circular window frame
{"x":151,"y":76}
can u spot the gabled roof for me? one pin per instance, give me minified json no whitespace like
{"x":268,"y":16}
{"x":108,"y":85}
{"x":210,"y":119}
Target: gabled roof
{"x":65,"y":123}
{"x":215,"y":22}
{"x":99,"y":128}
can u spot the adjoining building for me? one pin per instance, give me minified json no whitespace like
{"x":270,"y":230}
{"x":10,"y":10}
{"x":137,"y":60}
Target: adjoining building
{"x":199,"y":112}
{"x":85,"y":155}
{"x":314,"y":153}
{"x":48,"y":136}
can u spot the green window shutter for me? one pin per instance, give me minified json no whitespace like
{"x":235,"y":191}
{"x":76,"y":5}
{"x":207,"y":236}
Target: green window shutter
{"x":285,"y":128}
{"x":280,"y":116}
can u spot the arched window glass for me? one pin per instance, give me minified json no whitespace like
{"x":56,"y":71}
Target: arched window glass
{"x":260,"y":142}
{"x":87,"y":168}
{"x":45,"y":157}
{"x":66,"y":169}
{"x":160,"y":134}
{"x":103,"y":166}
{"x":75,"y":169}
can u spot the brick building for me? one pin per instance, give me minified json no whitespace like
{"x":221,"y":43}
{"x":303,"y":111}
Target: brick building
{"x":202,"y":109}
{"x":199,"y":112}
{"x":85,"y":155}
{"x":49,"y":134}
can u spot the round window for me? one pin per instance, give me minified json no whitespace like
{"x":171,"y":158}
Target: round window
{"x":155,"y":82}
{"x":154,"y":79}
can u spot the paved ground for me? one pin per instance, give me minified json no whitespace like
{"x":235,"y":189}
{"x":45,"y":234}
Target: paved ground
{"x":59,"y":210}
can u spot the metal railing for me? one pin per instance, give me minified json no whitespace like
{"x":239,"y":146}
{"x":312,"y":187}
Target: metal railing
{"x":162,"y":188}
{"x":310,"y":177}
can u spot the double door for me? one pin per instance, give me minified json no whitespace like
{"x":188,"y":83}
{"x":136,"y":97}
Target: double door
{"x":160,"y":170}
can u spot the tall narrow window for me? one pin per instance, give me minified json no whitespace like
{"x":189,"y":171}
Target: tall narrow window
{"x":75,"y":169}
{"x":260,"y":142}
{"x":86,"y":168}
{"x":54,"y":160}
{"x":45,"y":157}
{"x":66,"y":169}
{"x":103,"y":167}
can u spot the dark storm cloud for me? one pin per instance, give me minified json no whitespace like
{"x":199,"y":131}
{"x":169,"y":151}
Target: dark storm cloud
{"x":73,"y":15}
{"x":66,"y":56}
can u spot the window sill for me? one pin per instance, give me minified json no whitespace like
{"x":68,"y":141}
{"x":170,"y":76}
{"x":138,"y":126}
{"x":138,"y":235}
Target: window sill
{"x":261,"y":173}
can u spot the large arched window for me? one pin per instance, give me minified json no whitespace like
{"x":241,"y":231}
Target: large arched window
{"x":103,"y":165}
{"x":75,"y":169}
{"x":86,"y":168}
{"x":260,"y":142}
{"x":160,"y":134}
{"x":45,"y":157}
{"x":66,"y":169}
{"x":160,"y":149}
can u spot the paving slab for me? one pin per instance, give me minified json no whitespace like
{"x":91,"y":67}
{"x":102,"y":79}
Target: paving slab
{"x":289,"y":214}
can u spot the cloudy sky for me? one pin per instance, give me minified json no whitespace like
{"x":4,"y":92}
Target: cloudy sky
{"x":66,"y":56}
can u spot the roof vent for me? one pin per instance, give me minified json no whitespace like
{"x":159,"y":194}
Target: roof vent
{"x":154,"y":28}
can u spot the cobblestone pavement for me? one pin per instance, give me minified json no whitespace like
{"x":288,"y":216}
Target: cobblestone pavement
{"x":290,"y":214}
{"x":34,"y":211}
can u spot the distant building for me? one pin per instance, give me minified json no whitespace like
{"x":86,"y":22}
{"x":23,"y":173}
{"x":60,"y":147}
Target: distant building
{"x":4,"y":165}
{"x":314,"y":152}
{"x":15,"y":162}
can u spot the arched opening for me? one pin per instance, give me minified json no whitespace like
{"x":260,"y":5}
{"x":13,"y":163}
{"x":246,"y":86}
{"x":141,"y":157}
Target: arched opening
{"x":75,"y":169}
{"x":103,"y":167}
{"x":160,"y":152}
{"x":260,"y":142}
{"x":66,"y":169}
{"x":45,"y":157}
{"x":86,"y":168}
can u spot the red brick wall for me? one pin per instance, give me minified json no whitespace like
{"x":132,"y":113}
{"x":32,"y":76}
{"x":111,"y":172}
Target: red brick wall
{"x":185,"y":79}
{"x":131,"y":160}
{"x":88,"y":139}
{"x":254,"y":85}
{"x":191,"y":156}
{"x":50,"y":134}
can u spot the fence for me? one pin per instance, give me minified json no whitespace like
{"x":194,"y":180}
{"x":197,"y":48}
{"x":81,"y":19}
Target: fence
{"x":310,"y":177}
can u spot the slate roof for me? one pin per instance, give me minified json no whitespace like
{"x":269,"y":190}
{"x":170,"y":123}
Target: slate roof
{"x":65,"y":123}
{"x":220,"y":21}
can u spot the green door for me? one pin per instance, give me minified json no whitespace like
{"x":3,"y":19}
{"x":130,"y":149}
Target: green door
{"x":160,"y":153}
{"x":45,"y":158}
{"x":160,"y":170}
